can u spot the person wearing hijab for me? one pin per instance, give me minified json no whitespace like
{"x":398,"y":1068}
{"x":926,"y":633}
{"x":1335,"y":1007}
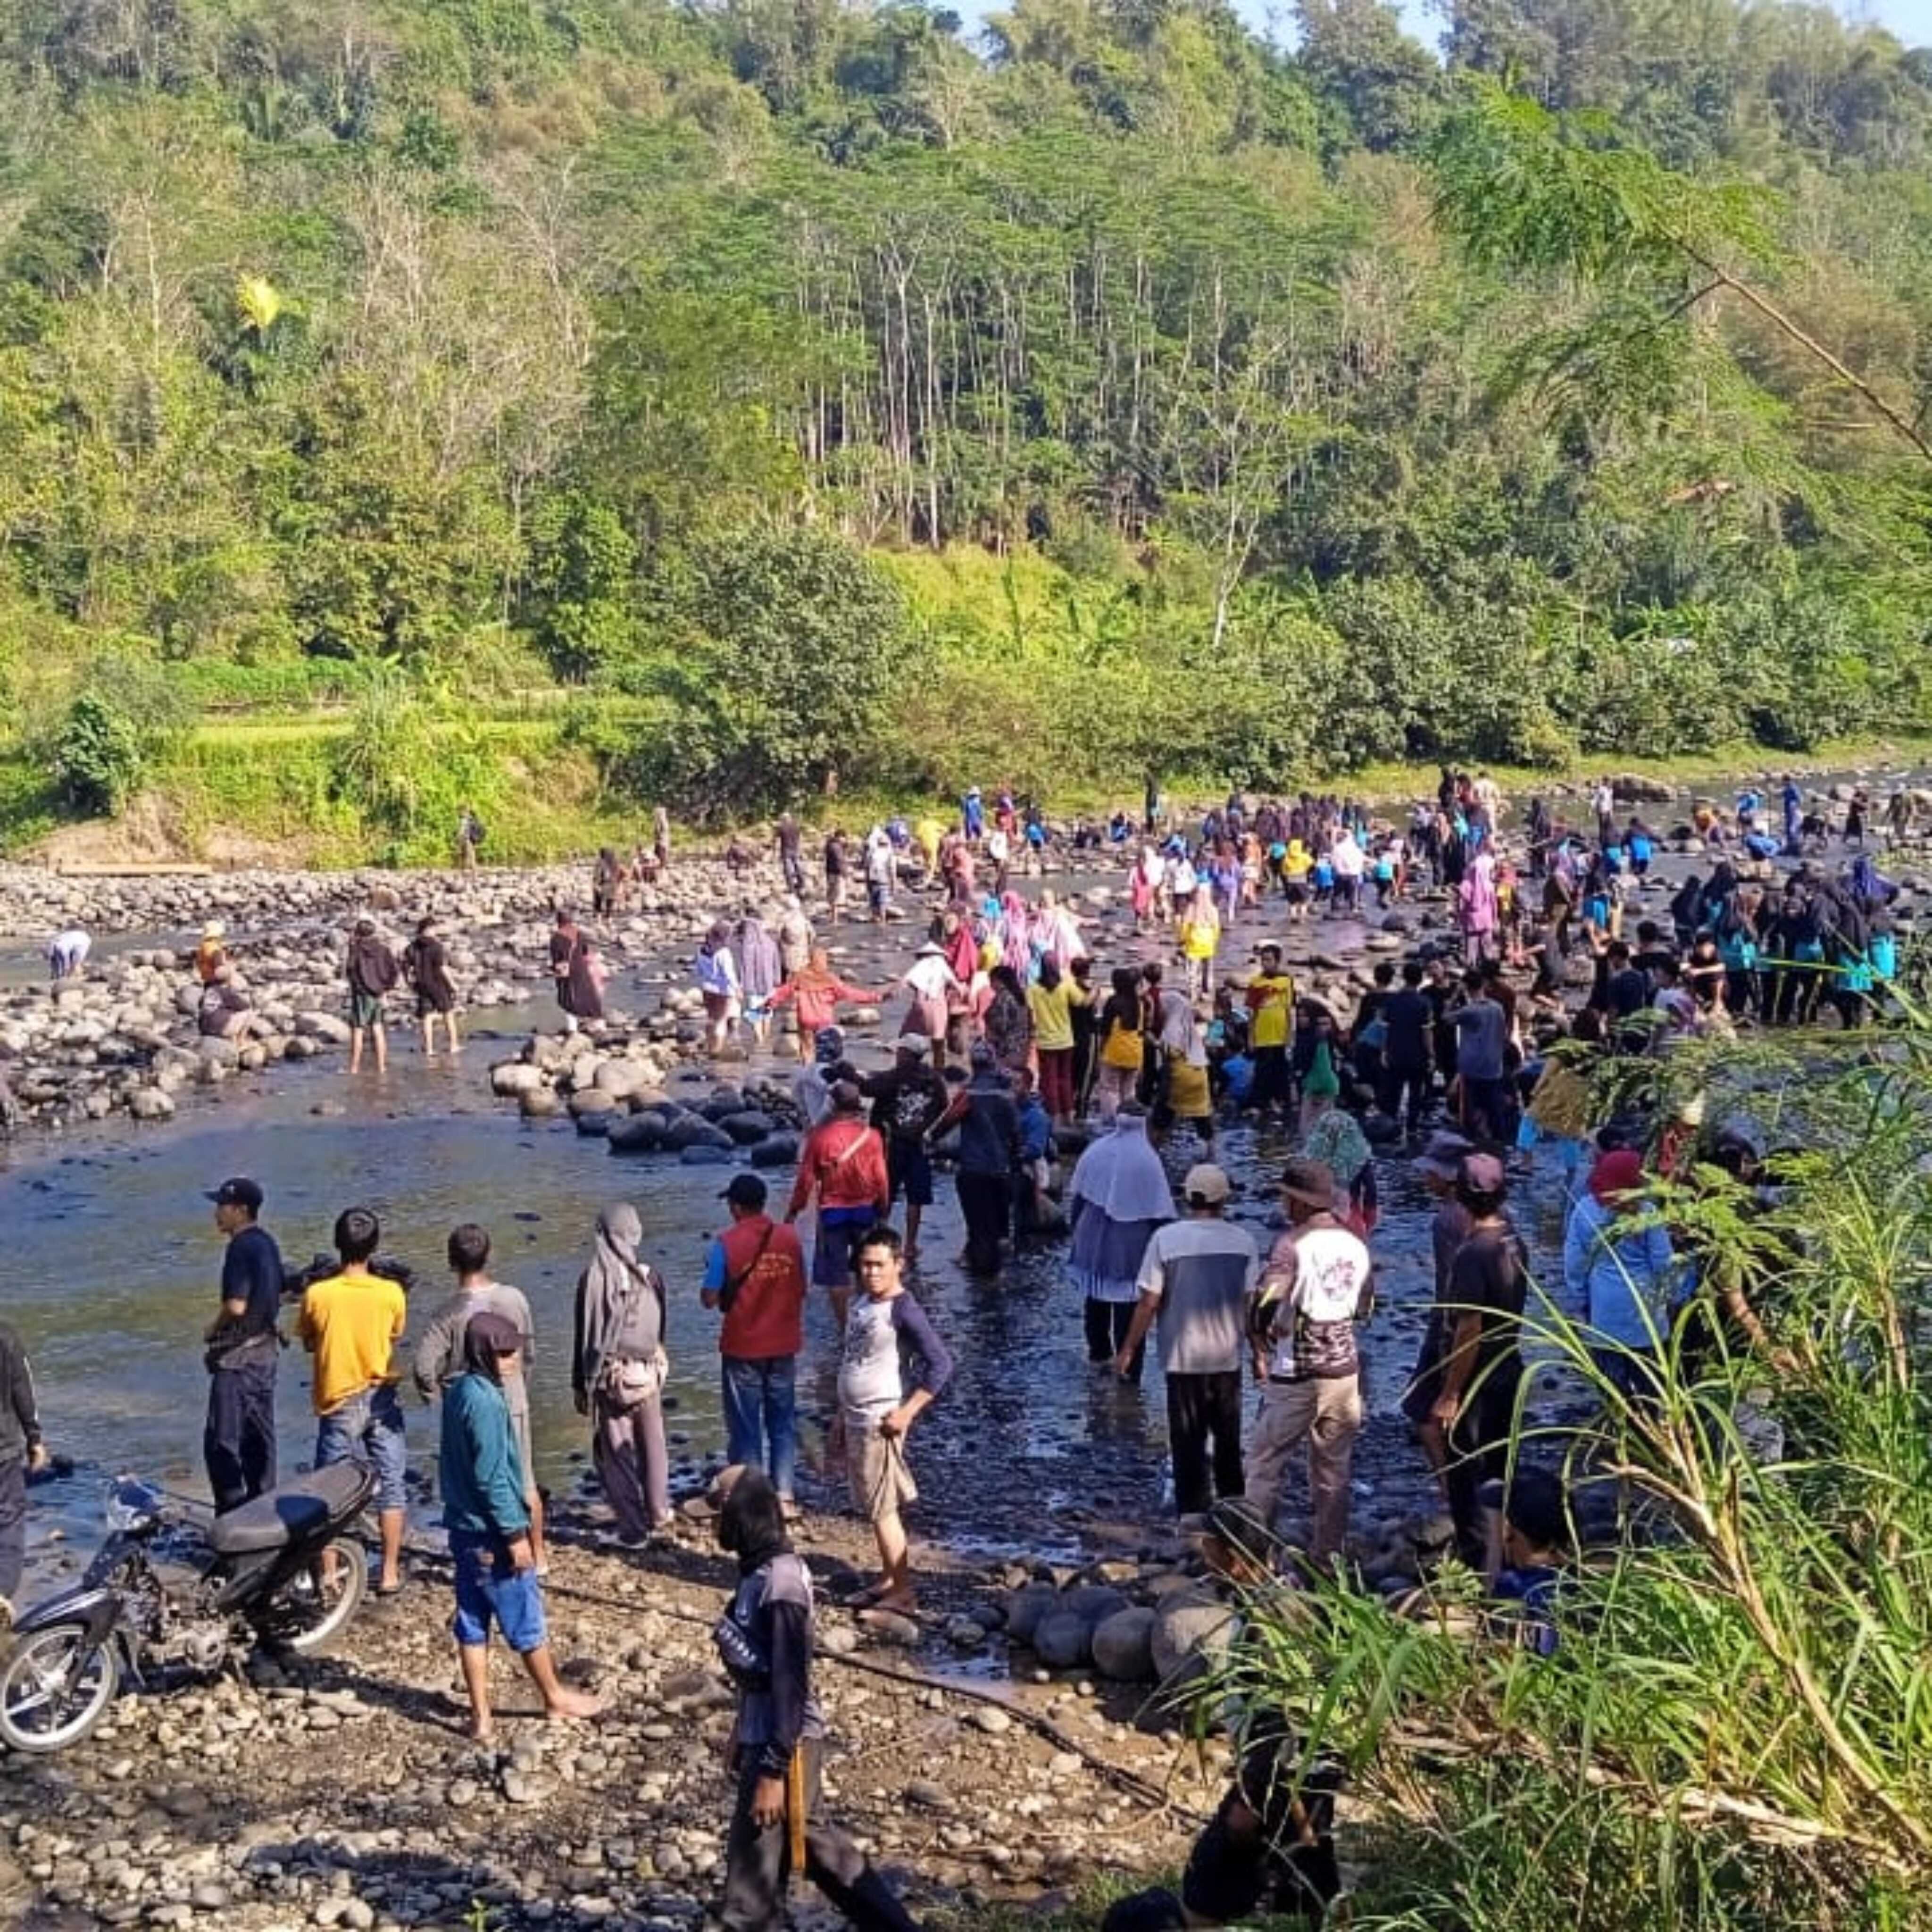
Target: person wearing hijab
{"x":760,"y":972}
{"x":764,"y":1640}
{"x":618,"y":1367}
{"x":818,"y":993}
{"x":718,"y":982}
{"x":1621,"y":1271}
{"x":1118,"y":1196}
{"x":484,"y":1486}
{"x":1334,"y":1138}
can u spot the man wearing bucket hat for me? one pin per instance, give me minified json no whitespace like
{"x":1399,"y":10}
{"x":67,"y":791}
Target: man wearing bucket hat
{"x":1313,"y":1291}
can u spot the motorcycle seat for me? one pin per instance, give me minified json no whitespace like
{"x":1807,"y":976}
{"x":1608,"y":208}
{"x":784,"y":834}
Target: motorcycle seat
{"x":296,"y":1509}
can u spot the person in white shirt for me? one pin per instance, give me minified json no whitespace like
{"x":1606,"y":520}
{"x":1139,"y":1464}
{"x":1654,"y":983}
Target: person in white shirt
{"x":1196,"y":1277}
{"x":1313,"y":1291}
{"x":67,"y":952}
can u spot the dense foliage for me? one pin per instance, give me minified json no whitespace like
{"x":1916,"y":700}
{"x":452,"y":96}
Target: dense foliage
{"x":1732,"y":1733}
{"x":1345,"y":405}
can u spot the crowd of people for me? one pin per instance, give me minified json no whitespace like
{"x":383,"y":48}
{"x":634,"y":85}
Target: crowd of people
{"x":1061,"y":1096}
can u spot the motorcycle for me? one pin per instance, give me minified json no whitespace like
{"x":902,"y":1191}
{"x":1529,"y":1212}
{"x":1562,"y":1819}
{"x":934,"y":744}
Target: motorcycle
{"x":279,"y":1572}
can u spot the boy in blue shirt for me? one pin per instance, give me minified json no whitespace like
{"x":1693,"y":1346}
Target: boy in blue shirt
{"x":489,"y":1525}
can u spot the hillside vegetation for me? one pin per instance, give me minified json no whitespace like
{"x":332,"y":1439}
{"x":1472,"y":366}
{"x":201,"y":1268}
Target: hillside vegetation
{"x":572,"y":404}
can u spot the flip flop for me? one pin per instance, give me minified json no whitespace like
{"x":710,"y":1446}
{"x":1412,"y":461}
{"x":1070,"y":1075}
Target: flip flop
{"x":394,"y":1589}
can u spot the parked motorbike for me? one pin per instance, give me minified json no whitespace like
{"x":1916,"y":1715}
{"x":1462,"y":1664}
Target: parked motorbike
{"x":280,"y":1571}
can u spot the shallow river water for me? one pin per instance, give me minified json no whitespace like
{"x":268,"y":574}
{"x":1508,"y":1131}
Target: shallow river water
{"x":108,"y":1261}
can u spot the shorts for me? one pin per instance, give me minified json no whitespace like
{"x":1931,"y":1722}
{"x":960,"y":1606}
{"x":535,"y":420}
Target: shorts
{"x":838,"y":1230}
{"x":367,"y":1430}
{"x":426,"y":1004}
{"x":365,"y":1010}
{"x":909,"y":1166}
{"x":489,"y":1590}
{"x":875,"y":1466}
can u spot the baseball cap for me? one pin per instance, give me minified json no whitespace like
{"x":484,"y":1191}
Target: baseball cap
{"x":846,"y":1097}
{"x":240,"y":1192}
{"x":1482,"y":1173}
{"x":746,"y":1190}
{"x":914,"y":1043}
{"x":1206,"y":1183}
{"x":1444,"y":1157}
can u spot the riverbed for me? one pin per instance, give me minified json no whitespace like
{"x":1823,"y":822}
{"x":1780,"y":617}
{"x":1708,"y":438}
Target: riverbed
{"x":111,"y":1260}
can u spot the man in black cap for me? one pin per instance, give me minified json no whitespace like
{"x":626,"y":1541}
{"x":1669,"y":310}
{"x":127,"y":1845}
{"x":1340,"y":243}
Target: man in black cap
{"x":238,"y":1445}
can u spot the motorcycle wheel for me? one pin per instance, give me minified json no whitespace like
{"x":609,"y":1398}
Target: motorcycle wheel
{"x":312,"y":1609}
{"x":55,"y":1687}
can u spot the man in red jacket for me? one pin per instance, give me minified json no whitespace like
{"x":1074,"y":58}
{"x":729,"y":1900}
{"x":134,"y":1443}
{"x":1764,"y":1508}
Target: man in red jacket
{"x":843,"y":1162}
{"x":755,"y":1273}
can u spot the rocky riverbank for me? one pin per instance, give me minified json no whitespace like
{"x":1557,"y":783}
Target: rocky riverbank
{"x":122,"y":1038}
{"x":342,"y":1792}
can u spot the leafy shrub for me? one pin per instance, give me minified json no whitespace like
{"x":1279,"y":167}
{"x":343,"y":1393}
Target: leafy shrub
{"x":105,"y":744}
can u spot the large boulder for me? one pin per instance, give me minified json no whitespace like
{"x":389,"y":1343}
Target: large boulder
{"x":1026,"y":1607}
{"x":619,"y":1079}
{"x":781,"y":1150}
{"x":705,"y":1153}
{"x":692,"y":1130}
{"x":592,"y":1126}
{"x":512,"y":1077}
{"x":749,"y":1127}
{"x":1063,"y":1641}
{"x":641,"y":1133}
{"x":1189,"y":1625}
{"x":1124,"y":1646}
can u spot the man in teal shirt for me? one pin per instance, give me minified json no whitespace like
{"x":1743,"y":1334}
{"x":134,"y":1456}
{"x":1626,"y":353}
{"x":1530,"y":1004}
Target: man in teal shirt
{"x":489,"y":1524}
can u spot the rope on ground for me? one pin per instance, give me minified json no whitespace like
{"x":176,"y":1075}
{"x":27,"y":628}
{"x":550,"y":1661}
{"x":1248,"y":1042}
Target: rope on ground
{"x":1117,"y":1775}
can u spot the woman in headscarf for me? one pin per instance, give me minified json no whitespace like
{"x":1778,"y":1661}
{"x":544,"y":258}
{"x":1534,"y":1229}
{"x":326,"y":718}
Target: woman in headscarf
{"x":760,"y":972}
{"x":1015,"y":936}
{"x":1007,"y":1023}
{"x":718,"y":981}
{"x":1332,"y":1136}
{"x":1057,"y":933}
{"x":618,"y":1367}
{"x":819,"y":992}
{"x":1621,"y":1272}
{"x":1117,"y":1198}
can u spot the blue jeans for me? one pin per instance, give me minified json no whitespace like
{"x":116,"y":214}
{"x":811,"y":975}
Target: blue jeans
{"x":367,"y":1430}
{"x":761,"y":1402}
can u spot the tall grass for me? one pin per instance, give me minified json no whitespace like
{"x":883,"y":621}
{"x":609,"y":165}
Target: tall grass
{"x":1736,"y":1730}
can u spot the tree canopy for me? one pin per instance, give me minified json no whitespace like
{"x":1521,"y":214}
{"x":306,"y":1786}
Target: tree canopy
{"x":1563,"y":390}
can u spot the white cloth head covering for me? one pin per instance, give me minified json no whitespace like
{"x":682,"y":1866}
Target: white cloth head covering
{"x":1121,"y":1174}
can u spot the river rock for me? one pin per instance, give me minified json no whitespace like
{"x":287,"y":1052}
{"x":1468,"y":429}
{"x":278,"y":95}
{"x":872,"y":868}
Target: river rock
{"x":591,"y":1125}
{"x":538,"y":1103}
{"x":641,"y":1133}
{"x":781,"y":1150}
{"x":150,"y":1103}
{"x":1063,"y":1640}
{"x":747,"y":1128}
{"x":515,"y":1077}
{"x":705,"y":1153}
{"x":1123,"y":1645}
{"x":1026,"y":1607}
{"x":1188,"y":1624}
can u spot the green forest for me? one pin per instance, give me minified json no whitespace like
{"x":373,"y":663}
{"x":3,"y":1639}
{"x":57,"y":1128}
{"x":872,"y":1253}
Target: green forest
{"x":575,"y":403}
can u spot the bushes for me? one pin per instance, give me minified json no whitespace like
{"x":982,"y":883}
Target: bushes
{"x":105,"y":744}
{"x":1731,"y":1734}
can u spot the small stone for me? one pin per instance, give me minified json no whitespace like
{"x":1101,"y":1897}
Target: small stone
{"x":991,"y":1719}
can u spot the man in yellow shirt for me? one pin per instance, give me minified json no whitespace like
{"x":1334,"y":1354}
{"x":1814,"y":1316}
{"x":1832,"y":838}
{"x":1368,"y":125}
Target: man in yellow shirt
{"x":351,"y":1322}
{"x":1271,"y":1014}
